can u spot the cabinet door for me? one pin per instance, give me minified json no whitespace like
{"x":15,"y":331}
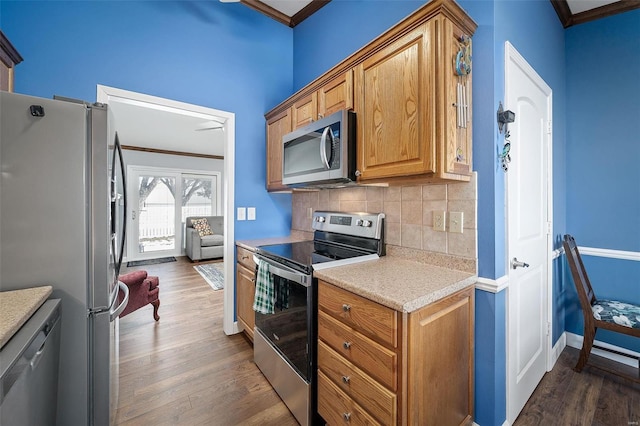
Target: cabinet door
{"x":395,"y":106}
{"x":304,"y":111}
{"x":455,"y":103}
{"x":277,"y":126}
{"x":441,"y":351}
{"x":336,"y":95}
{"x":245,"y":291}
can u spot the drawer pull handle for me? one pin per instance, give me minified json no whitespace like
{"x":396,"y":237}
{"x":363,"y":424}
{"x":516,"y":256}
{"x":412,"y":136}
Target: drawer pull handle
{"x":245,"y":257}
{"x":346,"y":307}
{"x":346,"y":379}
{"x":346,"y":416}
{"x":346,"y":345}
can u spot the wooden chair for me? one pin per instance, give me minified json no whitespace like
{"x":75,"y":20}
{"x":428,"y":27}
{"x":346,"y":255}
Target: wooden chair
{"x":608,"y":314}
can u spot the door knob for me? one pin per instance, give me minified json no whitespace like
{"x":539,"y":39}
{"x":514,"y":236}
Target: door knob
{"x":515,"y":263}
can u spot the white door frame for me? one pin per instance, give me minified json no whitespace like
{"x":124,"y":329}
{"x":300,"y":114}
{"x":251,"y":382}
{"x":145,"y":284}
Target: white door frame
{"x":106,"y":94}
{"x":513,"y":57}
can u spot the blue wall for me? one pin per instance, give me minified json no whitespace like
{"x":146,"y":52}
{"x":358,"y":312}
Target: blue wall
{"x":228,"y":57}
{"x":223,"y":56}
{"x":603,"y":172}
{"x":603,"y":154}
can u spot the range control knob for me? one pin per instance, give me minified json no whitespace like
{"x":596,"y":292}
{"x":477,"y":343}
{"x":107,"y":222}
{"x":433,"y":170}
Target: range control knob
{"x":320,"y":219}
{"x":366,"y":223}
{"x":358,"y":222}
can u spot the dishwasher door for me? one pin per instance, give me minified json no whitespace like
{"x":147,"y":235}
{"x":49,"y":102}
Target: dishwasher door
{"x":29,"y":370}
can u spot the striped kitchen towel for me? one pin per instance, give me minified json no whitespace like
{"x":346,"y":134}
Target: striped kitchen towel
{"x":264,"y":298}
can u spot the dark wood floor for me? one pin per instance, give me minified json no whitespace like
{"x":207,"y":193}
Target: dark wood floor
{"x":592,"y":397}
{"x":183,"y":370}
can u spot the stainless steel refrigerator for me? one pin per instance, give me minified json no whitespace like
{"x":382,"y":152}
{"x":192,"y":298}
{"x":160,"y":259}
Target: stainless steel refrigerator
{"x":62,"y":205}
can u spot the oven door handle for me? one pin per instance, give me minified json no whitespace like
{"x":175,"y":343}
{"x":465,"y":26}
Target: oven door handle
{"x":284,"y":272}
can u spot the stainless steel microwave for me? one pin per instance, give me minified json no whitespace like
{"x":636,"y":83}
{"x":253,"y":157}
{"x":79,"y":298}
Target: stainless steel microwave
{"x":322,"y":153}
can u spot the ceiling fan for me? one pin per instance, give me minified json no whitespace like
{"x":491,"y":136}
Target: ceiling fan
{"x":213,"y":124}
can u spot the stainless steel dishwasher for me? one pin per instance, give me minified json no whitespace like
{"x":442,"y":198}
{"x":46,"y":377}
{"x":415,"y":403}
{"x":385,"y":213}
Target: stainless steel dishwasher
{"x":29,"y":370}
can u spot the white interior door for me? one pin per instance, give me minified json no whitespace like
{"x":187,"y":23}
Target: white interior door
{"x":529,"y":229}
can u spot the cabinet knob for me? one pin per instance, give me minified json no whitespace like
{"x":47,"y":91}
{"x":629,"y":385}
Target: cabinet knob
{"x":346,"y":345}
{"x":358,"y":173}
{"x":346,"y":416}
{"x":346,"y":307}
{"x":346,"y":379}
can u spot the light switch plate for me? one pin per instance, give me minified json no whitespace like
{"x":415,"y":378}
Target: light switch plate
{"x":242,"y":213}
{"x":439,"y":222}
{"x":251,"y":213}
{"x":456,"y":220}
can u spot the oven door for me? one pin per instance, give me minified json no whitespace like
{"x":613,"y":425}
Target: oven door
{"x":290,"y":328}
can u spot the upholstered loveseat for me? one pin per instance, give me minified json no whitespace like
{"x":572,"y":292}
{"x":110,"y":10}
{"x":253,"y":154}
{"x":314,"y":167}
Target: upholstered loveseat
{"x":202,"y":242}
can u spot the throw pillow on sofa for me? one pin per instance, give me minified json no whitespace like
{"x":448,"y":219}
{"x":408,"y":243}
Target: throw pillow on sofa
{"x":202,"y":226}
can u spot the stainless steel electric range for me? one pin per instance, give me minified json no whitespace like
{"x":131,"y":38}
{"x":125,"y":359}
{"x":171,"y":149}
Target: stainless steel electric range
{"x":285,"y":341}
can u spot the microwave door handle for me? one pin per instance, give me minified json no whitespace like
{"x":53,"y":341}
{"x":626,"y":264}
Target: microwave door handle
{"x":323,"y":144}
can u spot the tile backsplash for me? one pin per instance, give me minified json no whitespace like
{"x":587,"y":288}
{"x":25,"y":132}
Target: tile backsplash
{"x":408,"y":212}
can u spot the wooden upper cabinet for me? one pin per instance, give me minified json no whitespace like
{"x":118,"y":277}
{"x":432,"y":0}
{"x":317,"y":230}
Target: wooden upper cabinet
{"x":455,"y":100}
{"x":9,"y":58}
{"x":337,"y":94}
{"x":413,"y":109}
{"x":277,"y":126}
{"x":395,"y":108}
{"x":304,"y":111}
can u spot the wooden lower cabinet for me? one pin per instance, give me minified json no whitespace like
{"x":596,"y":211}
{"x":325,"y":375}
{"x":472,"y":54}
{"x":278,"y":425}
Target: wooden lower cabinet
{"x":245,"y":290}
{"x":426,"y":379}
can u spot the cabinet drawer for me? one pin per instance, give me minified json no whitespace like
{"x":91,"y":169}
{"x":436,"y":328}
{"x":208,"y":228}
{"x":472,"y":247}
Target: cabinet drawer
{"x":376,"y":399}
{"x":376,"y":360}
{"x":367,"y":317}
{"x":245,"y":257}
{"x":336,"y":408}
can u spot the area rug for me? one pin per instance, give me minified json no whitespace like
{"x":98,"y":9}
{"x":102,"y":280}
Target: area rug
{"x":151,"y":261}
{"x":213,"y":274}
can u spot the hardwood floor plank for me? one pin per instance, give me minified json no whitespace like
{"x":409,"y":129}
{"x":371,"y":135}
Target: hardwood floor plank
{"x":592,"y":397}
{"x":183,"y":369}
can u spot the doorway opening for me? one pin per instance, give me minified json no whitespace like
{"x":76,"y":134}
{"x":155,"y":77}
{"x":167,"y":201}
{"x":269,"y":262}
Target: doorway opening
{"x":212,"y":133}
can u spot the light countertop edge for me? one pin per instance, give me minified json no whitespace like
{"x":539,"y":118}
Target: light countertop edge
{"x":400,"y":284}
{"x":17,"y":306}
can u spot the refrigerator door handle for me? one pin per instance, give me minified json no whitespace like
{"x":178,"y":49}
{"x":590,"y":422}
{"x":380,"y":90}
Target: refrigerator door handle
{"x":124,"y":214}
{"x":115,"y":313}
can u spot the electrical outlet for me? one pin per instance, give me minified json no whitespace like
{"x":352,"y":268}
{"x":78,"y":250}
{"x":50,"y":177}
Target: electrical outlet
{"x":251,"y":213}
{"x":456,"y":220}
{"x":242,"y":213}
{"x":439,"y":220}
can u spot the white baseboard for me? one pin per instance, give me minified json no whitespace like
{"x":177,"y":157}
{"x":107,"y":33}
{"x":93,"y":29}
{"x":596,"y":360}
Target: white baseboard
{"x":557,"y":350}
{"x":575,"y":341}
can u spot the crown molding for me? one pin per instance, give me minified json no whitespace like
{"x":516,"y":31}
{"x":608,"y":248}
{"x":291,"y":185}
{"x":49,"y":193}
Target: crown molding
{"x":292,"y":21}
{"x":568,"y":19}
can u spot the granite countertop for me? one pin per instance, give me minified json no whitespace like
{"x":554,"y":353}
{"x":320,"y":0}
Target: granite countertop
{"x":17,"y":306}
{"x":405,"y":281}
{"x":400,"y":284}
